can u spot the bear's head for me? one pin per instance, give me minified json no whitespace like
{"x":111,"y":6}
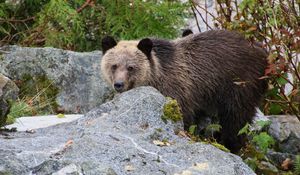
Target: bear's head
{"x":126,"y":64}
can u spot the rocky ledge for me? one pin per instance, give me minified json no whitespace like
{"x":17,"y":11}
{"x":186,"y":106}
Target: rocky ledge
{"x":123,"y":136}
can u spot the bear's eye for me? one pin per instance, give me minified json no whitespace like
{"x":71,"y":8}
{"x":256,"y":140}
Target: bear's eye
{"x":130,"y":68}
{"x":114,"y":67}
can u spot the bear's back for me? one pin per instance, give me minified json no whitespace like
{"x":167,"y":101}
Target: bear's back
{"x":221,"y":55}
{"x":208,"y":67}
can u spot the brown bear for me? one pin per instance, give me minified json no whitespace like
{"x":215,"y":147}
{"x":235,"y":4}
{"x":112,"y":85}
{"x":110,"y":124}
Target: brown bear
{"x":214,"y":73}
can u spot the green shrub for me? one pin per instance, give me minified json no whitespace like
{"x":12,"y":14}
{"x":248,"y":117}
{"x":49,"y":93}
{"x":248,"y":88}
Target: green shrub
{"x":59,"y":25}
{"x":263,"y":140}
{"x":135,"y":19}
{"x":18,"y":109}
{"x":75,"y":25}
{"x":260,"y":139}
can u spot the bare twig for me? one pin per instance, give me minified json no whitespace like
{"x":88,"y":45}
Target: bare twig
{"x":228,"y":18}
{"x":17,"y":20}
{"x":199,"y":13}
{"x":195,"y":16}
{"x":87,"y":3}
{"x":276,"y":101}
{"x":236,"y":7}
{"x":206,"y":13}
{"x":295,"y":69}
{"x":289,"y":102}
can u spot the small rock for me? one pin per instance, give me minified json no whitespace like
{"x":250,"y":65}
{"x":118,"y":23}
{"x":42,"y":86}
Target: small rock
{"x":48,"y":167}
{"x":267,"y":168}
{"x":278,"y":158}
{"x":287,"y":164}
{"x":69,"y":169}
{"x":96,"y":168}
{"x":286,"y":130}
{"x":160,"y":143}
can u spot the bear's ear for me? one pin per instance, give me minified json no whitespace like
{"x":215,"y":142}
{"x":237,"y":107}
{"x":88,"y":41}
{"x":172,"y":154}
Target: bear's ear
{"x":187,"y":32}
{"x":108,"y":42}
{"x":145,"y":45}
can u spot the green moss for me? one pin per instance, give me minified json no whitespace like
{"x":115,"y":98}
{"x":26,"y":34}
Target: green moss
{"x":217,"y":145}
{"x":158,"y":129}
{"x":165,"y":140}
{"x":220,"y":146}
{"x":172,"y":111}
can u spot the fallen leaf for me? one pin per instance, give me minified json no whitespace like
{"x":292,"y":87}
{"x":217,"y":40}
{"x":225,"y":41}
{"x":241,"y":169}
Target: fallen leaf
{"x":69,"y":143}
{"x":129,"y":168}
{"x":253,"y":28}
{"x":182,"y":134}
{"x":160,"y":143}
{"x":286,"y":164}
{"x":263,"y":77}
{"x":240,"y":83}
{"x":60,"y":115}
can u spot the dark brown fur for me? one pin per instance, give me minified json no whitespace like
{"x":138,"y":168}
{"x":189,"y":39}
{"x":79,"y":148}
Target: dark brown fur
{"x":211,"y":73}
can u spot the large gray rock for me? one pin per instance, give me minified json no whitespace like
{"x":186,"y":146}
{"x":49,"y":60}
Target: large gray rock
{"x":77,"y":75}
{"x":8,"y":92}
{"x":286,"y":130}
{"x":116,"y":138}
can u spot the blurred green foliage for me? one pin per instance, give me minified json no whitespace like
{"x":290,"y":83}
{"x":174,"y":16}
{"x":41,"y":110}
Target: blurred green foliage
{"x":297,"y":165}
{"x":80,"y":24}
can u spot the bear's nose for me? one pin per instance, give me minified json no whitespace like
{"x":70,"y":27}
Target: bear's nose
{"x":119,"y":85}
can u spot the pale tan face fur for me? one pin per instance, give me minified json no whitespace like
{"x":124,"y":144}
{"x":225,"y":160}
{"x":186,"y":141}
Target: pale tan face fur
{"x":126,"y":64}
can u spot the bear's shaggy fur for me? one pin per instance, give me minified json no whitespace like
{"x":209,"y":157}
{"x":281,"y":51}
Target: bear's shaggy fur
{"x":214,"y":73}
